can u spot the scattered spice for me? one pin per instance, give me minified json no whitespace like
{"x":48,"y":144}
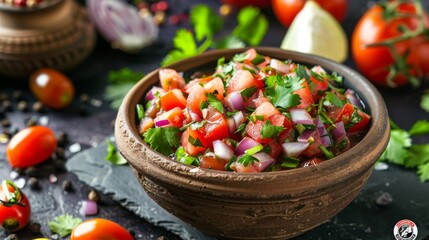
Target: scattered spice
{"x":31,"y":172}
{"x":62,"y":139}
{"x":22,"y":106}
{"x":33,"y":183}
{"x":67,"y":186}
{"x":31,"y":122}
{"x":94,"y":195}
{"x":5,"y":122}
{"x":17,"y":95}
{"x":53,"y":178}
{"x":96,"y":102}
{"x":225,"y":10}
{"x":35,"y":227}
{"x":7,"y":105}
{"x":84,"y":98}
{"x":37,"y":107}
{"x":384,"y":199}
{"x":60,"y":152}
{"x":44,"y":120}
{"x":4,"y":138}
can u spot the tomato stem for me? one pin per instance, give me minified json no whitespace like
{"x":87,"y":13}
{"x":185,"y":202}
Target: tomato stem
{"x":12,"y":194}
{"x":400,"y":66}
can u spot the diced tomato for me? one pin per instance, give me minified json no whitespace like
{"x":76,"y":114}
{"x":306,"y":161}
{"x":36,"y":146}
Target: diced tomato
{"x":198,"y":81}
{"x":345,"y":114}
{"x":277,"y":120}
{"x":363,"y":124}
{"x":253,"y":130}
{"x":241,"y":80}
{"x":266,"y":109}
{"x":196,"y":96}
{"x":213,"y":163}
{"x":216,"y":127}
{"x":145,"y":124}
{"x":319,"y":86}
{"x":173,"y":98}
{"x":258,"y":99}
{"x":306,"y":97}
{"x":215,"y":87}
{"x":170,"y":79}
{"x":188,"y":146}
{"x":175,"y":116}
{"x":313,"y":150}
{"x":275,"y":148}
{"x":264,"y":63}
{"x":250,"y":55}
{"x":311,"y":162}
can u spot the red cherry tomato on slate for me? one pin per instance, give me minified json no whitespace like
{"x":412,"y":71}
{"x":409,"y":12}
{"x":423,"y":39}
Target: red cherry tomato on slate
{"x":31,"y":146}
{"x":286,"y":10}
{"x":99,"y":228}
{"x":375,"y":61}
{"x":242,"y":3}
{"x":52,"y":88}
{"x":15,"y":209}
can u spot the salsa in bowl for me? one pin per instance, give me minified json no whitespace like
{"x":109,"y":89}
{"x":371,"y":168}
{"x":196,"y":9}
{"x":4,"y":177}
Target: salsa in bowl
{"x":253,"y":205}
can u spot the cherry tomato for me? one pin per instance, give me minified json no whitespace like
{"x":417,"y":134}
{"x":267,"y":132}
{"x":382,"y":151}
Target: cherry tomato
{"x":242,"y":3}
{"x":375,"y":62}
{"x":99,"y":228}
{"x":52,"y":88}
{"x":31,"y":146}
{"x":286,"y":10}
{"x":15,"y":209}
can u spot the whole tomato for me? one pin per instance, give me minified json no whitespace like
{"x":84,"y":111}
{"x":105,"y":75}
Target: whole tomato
{"x":286,"y":10}
{"x":52,"y":88}
{"x":404,"y":60}
{"x":99,"y":228}
{"x":242,"y":3}
{"x":15,"y":209}
{"x":31,"y":146}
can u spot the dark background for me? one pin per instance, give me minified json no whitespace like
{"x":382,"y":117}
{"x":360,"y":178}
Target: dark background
{"x":362,"y":219}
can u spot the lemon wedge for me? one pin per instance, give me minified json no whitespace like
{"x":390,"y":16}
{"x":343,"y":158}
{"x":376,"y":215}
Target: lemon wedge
{"x":316,"y":31}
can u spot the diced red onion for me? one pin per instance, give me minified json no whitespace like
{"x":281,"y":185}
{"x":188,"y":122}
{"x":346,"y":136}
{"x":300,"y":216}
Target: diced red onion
{"x":264,"y":161}
{"x":245,"y":144}
{"x":194,"y":116}
{"x":294,"y":149}
{"x":339,"y":131}
{"x":205,"y":113}
{"x":234,"y":101}
{"x":318,"y":122}
{"x":353,"y":99}
{"x":279,"y":66}
{"x":300,"y":116}
{"x":239,"y":118}
{"x":162,"y":123}
{"x":306,"y":136}
{"x":231,"y":125}
{"x":121,"y":24}
{"x":151,"y":94}
{"x":326,"y":141}
{"x":89,"y":207}
{"x":222,"y":151}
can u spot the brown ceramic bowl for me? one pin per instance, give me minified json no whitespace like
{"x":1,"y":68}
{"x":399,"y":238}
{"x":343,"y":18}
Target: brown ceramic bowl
{"x":269,"y":205}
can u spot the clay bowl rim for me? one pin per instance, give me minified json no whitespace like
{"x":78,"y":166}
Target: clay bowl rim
{"x":41,"y":6}
{"x":361,"y":157}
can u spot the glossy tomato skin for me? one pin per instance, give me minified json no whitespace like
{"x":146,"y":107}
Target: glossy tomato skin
{"x":14,"y":218}
{"x":99,"y":228}
{"x":52,"y":88}
{"x":31,"y":146}
{"x":286,"y":10}
{"x":374,"y":62}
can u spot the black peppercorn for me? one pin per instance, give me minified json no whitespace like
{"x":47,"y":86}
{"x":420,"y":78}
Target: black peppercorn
{"x":22,"y":106}
{"x":5,"y":122}
{"x":31,"y":122}
{"x":37,"y":107}
{"x":67,"y":186}
{"x":31,"y":172}
{"x":62,"y":139}
{"x":35,"y":228}
{"x":84,"y":98}
{"x":59,"y":165}
{"x":17,"y":95}
{"x":33,"y":183}
{"x":7,"y":105}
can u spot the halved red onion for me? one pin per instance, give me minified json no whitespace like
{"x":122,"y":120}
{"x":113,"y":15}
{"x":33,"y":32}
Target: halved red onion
{"x":307,"y":136}
{"x":152,"y":92}
{"x":279,"y":66}
{"x":300,"y":116}
{"x":121,"y":24}
{"x":264,"y":161}
{"x":339,"y":131}
{"x":162,"y":123}
{"x":245,"y":144}
{"x":222,"y":151}
{"x":353,"y":98}
{"x":294,"y":149}
{"x":234,"y":101}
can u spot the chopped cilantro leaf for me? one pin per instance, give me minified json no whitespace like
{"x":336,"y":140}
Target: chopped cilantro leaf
{"x":203,"y":105}
{"x":113,"y":156}
{"x":230,"y":162}
{"x":248,"y":92}
{"x":270,"y":131}
{"x":418,"y":155}
{"x":289,"y":162}
{"x":355,"y":118}
{"x":258,"y":59}
{"x":259,"y":117}
{"x":247,"y":159}
{"x":317,"y":76}
{"x":120,"y":82}
{"x":423,"y":171}
{"x":183,"y":157}
{"x":396,"y":151}
{"x":301,"y":72}
{"x":163,"y":139}
{"x":280,"y":90}
{"x":64,"y":224}
{"x":419,"y":128}
{"x":424,"y":103}
{"x":239,"y":57}
{"x":215,"y":103}
{"x":241,"y":128}
{"x":195,"y":141}
{"x":333,"y":98}
{"x":221,"y":61}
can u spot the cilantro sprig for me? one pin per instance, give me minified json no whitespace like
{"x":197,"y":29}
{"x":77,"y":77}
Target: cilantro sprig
{"x":163,"y":140}
{"x":64,"y":224}
{"x":280,"y":90}
{"x":270,"y":131}
{"x":401,"y":151}
{"x":251,"y":28}
{"x":120,"y":83}
{"x":113,"y":156}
